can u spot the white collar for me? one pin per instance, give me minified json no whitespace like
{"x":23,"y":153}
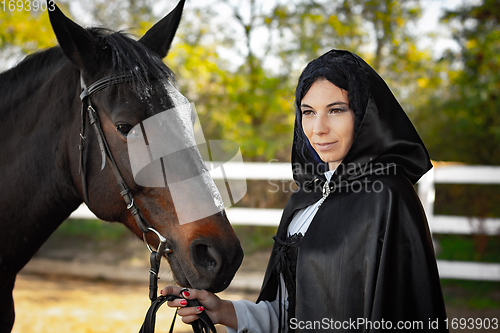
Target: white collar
{"x":329,"y":174}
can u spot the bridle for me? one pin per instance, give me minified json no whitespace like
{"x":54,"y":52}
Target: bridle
{"x":204,"y":324}
{"x":88,"y":110}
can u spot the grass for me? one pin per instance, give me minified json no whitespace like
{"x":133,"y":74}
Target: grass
{"x":457,"y":293}
{"x":471,"y":294}
{"x":465,"y":293}
{"x":467,"y":200}
{"x":252,"y":238}
{"x":480,"y":248}
{"x":255,"y":238}
{"x":91,"y":230}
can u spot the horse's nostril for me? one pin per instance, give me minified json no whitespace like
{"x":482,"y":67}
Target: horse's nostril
{"x":206,"y":258}
{"x":214,"y":264}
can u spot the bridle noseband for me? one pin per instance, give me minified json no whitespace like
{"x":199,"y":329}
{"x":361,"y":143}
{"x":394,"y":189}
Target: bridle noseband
{"x":88,"y":110}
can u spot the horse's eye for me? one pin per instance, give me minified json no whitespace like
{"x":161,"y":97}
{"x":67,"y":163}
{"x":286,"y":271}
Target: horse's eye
{"x":123,"y":129}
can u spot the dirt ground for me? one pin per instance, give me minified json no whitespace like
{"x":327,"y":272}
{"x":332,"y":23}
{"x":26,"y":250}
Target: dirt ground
{"x":57,"y":301}
{"x":61,"y":304}
{"x":52,"y":303}
{"x":78,"y":287}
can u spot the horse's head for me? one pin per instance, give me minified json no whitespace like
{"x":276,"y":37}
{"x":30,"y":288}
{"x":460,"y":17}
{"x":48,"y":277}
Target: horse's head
{"x":205,"y":253}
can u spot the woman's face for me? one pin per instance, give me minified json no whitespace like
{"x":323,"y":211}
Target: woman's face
{"x":328,"y":122}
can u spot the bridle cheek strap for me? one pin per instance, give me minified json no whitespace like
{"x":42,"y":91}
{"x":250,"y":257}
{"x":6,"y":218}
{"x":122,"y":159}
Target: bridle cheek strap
{"x":204,"y":324}
{"x":90,"y":112}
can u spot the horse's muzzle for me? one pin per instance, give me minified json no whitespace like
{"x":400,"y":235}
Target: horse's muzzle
{"x":215,"y":263}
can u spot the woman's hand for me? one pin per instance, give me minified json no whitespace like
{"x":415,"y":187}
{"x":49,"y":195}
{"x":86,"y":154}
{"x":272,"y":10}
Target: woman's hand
{"x":219,"y":310}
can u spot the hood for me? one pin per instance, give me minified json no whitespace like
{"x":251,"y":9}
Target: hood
{"x":385,"y":141}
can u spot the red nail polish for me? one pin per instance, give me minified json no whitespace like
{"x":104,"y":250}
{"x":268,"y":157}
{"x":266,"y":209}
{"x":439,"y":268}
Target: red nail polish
{"x":200,"y":308}
{"x":183,"y":302}
{"x":186,"y":293}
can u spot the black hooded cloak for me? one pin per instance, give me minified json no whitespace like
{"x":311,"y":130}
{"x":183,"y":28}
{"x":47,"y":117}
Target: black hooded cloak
{"x":367,"y":256}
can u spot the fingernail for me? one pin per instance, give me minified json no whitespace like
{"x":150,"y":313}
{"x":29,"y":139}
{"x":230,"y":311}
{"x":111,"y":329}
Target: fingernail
{"x":186,"y":293}
{"x":183,"y":302}
{"x":200,"y":308}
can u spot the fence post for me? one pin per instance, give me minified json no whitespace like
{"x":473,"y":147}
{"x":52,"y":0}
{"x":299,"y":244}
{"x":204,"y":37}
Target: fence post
{"x":427,"y":194}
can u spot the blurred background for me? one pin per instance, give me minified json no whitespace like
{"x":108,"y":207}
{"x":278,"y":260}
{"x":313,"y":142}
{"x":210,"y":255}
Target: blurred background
{"x":239,"y":61}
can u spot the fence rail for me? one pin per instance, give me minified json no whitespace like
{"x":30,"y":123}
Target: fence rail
{"x":438,"y":224}
{"x":457,"y":174}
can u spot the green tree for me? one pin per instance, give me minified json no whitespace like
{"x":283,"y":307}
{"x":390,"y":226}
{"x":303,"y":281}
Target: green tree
{"x":298,"y":31}
{"x":252,"y":103}
{"x":245,"y":105}
{"x":23,"y":32}
{"x":463,"y":123}
{"x":381,"y":31}
{"x":128,"y":15}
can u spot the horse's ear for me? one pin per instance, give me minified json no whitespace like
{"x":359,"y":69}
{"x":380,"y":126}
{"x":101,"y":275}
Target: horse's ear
{"x":77,"y":43}
{"x":159,"y":38}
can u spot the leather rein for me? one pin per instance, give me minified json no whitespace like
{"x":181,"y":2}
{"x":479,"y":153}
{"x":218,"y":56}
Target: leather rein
{"x":204,"y":324}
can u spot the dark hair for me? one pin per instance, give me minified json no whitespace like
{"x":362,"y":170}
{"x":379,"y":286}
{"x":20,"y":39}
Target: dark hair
{"x":129,"y":56}
{"x":343,"y":70}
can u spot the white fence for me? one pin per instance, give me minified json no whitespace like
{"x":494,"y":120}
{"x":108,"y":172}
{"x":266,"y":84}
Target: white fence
{"x":456,"y":174}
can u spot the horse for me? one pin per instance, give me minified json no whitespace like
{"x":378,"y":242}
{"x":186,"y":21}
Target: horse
{"x":41,"y":160}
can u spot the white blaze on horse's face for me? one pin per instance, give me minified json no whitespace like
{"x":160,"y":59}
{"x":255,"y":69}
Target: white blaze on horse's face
{"x":169,"y":148}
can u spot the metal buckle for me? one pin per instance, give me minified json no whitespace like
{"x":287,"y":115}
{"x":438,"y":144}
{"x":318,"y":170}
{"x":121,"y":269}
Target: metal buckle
{"x":131,"y":204}
{"x":163,"y":242}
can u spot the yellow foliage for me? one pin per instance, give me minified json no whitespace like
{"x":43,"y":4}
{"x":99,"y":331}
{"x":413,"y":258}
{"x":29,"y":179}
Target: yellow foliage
{"x":422,"y":82}
{"x":27,"y":30}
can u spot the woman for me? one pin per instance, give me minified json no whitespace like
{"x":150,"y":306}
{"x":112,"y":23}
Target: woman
{"x":353,"y":251}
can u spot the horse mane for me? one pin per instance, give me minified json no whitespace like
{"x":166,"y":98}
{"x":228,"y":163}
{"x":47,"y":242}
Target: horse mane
{"x":26,"y":77}
{"x":125,"y":54}
{"x":129,"y":56}
{"x":38,"y":63}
